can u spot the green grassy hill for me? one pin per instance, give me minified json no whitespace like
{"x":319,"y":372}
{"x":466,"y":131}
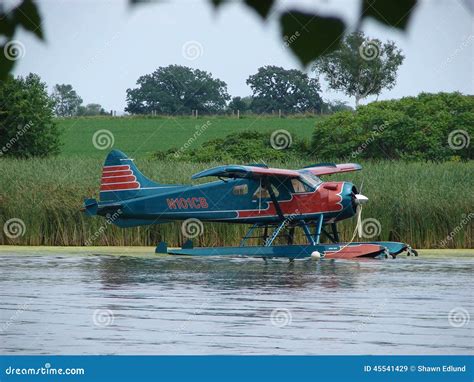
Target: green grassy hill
{"x":142,"y":136}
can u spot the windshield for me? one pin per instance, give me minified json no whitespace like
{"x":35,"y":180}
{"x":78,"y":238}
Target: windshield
{"x":310,"y":179}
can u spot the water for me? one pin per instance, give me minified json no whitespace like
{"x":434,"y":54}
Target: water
{"x":80,"y":304}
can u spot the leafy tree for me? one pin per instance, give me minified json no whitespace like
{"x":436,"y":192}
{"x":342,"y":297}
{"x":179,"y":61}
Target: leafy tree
{"x":432,"y":127}
{"x":361,"y":66}
{"x":67,"y":101}
{"x":276,"y":88}
{"x":27,"y":126}
{"x":176,"y":89}
{"x":91,"y":109}
{"x":240,"y":103}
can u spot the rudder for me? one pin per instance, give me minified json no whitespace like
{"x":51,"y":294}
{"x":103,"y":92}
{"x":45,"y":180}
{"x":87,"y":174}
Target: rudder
{"x":121,"y":179}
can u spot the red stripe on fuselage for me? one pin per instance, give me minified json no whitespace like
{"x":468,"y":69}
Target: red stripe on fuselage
{"x":119,"y":186}
{"x":107,"y":174}
{"x":119,"y":179}
{"x":116,"y":168}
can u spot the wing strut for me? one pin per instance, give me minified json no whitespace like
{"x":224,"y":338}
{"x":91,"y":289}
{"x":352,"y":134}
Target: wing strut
{"x":274,"y":199}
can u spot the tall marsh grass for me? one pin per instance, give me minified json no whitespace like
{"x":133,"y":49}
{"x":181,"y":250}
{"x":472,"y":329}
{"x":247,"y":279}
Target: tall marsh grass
{"x":418,"y":203}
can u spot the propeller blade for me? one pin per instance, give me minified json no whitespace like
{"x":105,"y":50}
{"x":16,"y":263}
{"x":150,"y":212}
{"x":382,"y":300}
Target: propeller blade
{"x":359,"y":220}
{"x":361,"y":199}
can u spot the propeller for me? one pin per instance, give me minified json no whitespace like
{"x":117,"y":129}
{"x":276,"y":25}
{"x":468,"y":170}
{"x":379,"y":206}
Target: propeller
{"x":359,"y":201}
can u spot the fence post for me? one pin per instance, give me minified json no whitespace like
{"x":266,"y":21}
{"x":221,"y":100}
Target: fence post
{"x":279,"y":113}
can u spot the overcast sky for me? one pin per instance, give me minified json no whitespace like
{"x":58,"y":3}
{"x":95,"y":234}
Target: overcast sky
{"x":102,"y":47}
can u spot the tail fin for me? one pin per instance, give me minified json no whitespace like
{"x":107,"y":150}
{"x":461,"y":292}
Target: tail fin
{"x":121,"y":179}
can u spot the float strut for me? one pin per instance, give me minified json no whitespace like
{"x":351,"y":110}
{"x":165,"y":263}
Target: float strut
{"x":319,"y":226}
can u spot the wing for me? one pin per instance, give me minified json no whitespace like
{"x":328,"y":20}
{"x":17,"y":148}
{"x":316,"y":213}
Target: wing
{"x":332,"y":168}
{"x":236,"y":171}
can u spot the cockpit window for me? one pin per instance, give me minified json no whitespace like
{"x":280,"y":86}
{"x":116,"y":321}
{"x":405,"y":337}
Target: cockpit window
{"x":299,"y":186}
{"x":309,"y":180}
{"x":263,"y":193}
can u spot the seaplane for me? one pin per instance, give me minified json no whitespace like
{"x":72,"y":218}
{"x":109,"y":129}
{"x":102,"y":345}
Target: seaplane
{"x":274,"y":202}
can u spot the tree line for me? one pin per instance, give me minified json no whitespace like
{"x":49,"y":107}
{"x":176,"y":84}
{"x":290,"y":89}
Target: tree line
{"x":360,"y":68}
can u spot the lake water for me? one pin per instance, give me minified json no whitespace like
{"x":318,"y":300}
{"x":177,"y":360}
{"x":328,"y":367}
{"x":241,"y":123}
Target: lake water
{"x":104,"y":304}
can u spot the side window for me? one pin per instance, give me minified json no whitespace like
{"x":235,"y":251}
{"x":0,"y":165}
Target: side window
{"x":242,"y":189}
{"x":263,"y":193}
{"x":299,"y":186}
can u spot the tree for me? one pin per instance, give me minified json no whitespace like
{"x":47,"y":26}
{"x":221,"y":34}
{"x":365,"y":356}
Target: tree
{"x":241,"y":104}
{"x":27,"y":126}
{"x":290,"y":91}
{"x":176,"y":89}
{"x":66,"y":100}
{"x":332,"y":107}
{"x":361,"y":66}
{"x":91,"y":109}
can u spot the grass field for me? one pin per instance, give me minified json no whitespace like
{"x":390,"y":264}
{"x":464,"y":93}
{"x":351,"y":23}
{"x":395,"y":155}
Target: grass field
{"x":141,"y":137}
{"x":419,"y":203}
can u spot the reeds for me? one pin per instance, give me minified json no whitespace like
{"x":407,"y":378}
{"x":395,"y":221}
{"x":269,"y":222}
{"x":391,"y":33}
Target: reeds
{"x":418,"y":203}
